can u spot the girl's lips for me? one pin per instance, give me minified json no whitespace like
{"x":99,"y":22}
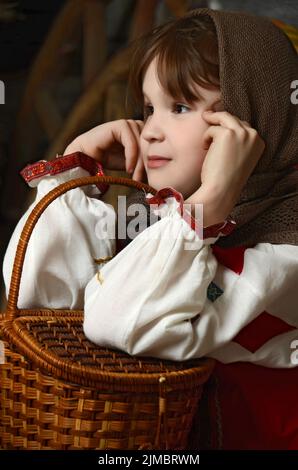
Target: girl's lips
{"x":157,"y":162}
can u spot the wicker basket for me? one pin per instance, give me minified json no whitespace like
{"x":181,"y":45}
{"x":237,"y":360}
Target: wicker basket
{"x":60,"y":391}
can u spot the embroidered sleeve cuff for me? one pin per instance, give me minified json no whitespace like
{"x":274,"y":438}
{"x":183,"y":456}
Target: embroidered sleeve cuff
{"x":34,"y":172}
{"x":213,"y":231}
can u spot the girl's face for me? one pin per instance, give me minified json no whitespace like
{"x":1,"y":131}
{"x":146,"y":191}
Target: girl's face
{"x":174,"y":130}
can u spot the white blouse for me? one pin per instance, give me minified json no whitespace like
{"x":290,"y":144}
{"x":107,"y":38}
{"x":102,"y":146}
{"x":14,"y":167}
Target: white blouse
{"x":151,"y":299}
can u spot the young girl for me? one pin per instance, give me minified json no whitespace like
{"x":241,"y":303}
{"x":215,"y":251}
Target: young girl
{"x":219,"y":129}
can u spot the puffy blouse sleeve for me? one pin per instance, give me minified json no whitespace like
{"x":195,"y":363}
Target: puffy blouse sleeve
{"x":147,"y":300}
{"x":67,"y":240}
{"x":167,"y":295}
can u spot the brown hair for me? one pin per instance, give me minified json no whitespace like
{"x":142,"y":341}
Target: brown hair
{"x":187,"y":52}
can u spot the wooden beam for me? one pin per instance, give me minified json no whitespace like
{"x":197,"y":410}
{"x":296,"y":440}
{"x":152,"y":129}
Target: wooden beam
{"x":94,"y":40}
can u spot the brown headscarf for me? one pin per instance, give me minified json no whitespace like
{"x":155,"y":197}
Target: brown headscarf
{"x":258,"y":64}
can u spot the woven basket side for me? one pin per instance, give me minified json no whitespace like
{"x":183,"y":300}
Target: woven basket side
{"x":52,"y":354}
{"x":39,"y":411}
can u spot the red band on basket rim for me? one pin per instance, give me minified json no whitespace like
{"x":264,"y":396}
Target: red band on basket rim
{"x":64,"y":163}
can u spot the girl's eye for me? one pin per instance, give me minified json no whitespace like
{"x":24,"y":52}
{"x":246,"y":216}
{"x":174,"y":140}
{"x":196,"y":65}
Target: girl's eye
{"x":178,"y":108}
{"x":147,"y":111}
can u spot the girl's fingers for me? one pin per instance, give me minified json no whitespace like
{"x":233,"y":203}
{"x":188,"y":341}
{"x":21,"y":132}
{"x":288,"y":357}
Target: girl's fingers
{"x":132,"y":161}
{"x":98,"y":141}
{"x":125,"y":135}
{"x":111,"y":143}
{"x":76,"y":146}
{"x":140,"y":124}
{"x":211,"y":133}
{"x":224,"y":119}
{"x":139,"y":170}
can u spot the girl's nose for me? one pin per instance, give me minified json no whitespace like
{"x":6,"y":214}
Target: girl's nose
{"x":153,"y":130}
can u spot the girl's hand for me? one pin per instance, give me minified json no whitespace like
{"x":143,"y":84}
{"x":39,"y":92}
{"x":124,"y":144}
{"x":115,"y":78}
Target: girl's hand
{"x":114,"y":144}
{"x":234,"y":149}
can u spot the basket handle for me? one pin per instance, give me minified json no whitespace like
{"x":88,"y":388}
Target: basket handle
{"x":12,"y":308}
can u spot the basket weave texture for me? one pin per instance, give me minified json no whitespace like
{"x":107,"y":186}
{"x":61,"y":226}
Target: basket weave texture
{"x":60,"y":391}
